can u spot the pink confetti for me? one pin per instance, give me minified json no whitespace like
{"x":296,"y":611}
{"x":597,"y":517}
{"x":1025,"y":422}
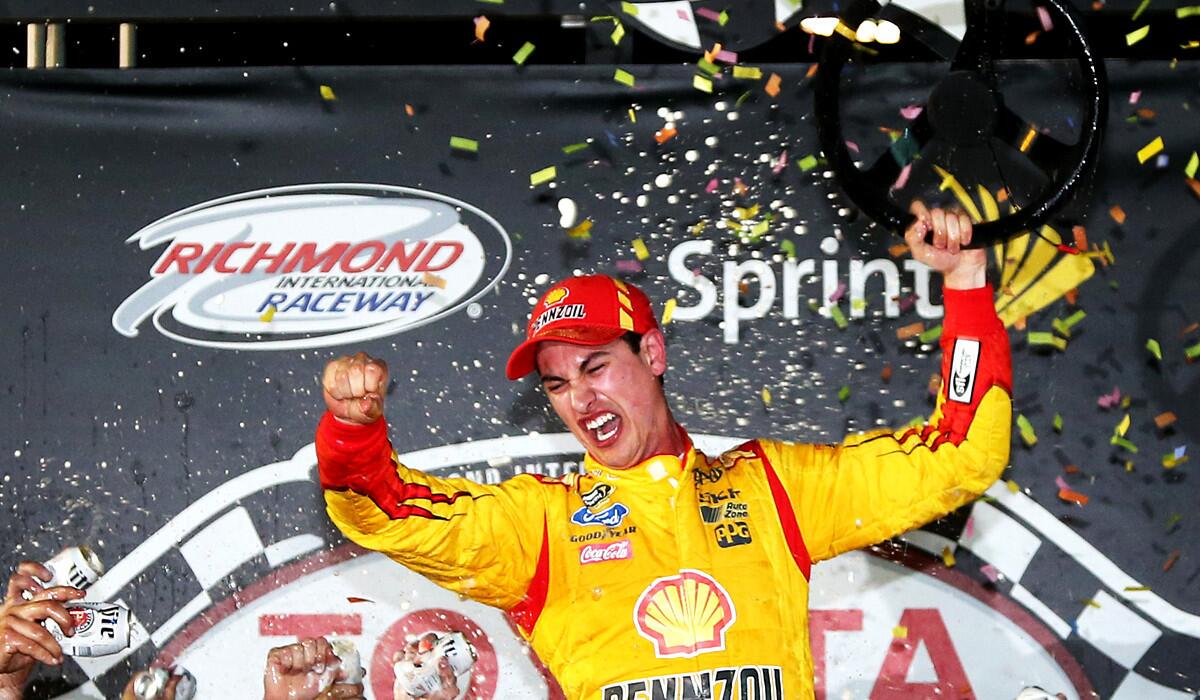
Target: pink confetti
{"x":1109,"y":400}
{"x":1044,"y":17}
{"x":683,"y":15}
{"x":629,"y":266}
{"x":902,"y":179}
{"x":711,"y":186}
{"x":780,"y":164}
{"x":970,"y":527}
{"x":727,"y":56}
{"x":812,"y":40}
{"x":1135,"y":96}
{"x":837,"y":293}
{"x":708,"y":14}
{"x":990,"y":571}
{"x":1061,"y":483}
{"x":907,"y":302}
{"x":852,"y":146}
{"x":912,"y":111}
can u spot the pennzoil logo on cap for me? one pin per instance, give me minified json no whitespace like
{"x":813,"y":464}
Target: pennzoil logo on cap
{"x":684,"y":615}
{"x":558,"y":313}
{"x":555,"y":295}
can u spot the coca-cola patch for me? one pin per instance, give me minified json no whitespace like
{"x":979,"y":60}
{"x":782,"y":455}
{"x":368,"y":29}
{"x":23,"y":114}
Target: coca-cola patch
{"x":606,"y":551}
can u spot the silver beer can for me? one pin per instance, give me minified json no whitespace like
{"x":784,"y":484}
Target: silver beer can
{"x":350,"y":661}
{"x":457,"y":650}
{"x":100,"y":629}
{"x":74,"y":566}
{"x":151,"y":684}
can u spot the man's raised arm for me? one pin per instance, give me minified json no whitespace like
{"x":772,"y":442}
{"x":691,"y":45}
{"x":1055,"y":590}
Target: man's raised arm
{"x":478,"y":540}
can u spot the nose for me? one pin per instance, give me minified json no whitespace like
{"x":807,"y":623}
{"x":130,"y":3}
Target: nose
{"x":582,"y":396}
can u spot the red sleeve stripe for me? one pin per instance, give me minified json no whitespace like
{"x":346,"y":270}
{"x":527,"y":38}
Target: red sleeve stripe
{"x":787,"y":516}
{"x":526,"y":613}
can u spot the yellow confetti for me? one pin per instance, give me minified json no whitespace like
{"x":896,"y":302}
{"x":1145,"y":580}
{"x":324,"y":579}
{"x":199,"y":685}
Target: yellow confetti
{"x":747,"y":72}
{"x":948,"y":557}
{"x":433,"y":280}
{"x":1193,"y":164}
{"x":624,"y":77}
{"x":1012,"y":486}
{"x":543,"y":175}
{"x":766,"y":396}
{"x":1136,"y":35}
{"x":268,"y":314}
{"x":668,"y":311}
{"x":1091,"y":602}
{"x":1136,"y":589}
{"x":1123,"y":426}
{"x":522,"y":53}
{"x":327,"y":93}
{"x":1150,"y":150}
{"x":702,"y":84}
{"x":899,"y":632}
{"x":581,"y":230}
{"x":632,"y":115}
{"x":640,"y":249}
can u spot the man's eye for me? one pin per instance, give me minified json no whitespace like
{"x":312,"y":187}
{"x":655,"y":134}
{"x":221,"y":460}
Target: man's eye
{"x":595,"y":369}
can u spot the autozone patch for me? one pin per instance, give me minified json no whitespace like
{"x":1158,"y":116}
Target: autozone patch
{"x":964,"y":365}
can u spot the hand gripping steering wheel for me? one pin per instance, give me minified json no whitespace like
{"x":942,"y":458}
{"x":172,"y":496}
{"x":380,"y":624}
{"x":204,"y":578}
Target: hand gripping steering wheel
{"x":966,"y":109}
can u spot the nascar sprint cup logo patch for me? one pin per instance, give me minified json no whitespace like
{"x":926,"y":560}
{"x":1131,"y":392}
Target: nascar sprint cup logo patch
{"x":309,"y":266}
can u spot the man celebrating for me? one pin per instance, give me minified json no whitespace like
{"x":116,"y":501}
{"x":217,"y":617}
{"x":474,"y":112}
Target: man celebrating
{"x":662,"y":572}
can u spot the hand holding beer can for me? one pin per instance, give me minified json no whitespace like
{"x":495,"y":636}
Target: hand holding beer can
{"x":155,"y":684}
{"x":78,"y":567}
{"x":349,"y":661}
{"x":100,"y":629}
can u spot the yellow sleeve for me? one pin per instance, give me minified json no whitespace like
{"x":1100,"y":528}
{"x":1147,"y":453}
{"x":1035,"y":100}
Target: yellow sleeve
{"x":482,"y":541}
{"x":877,"y":485}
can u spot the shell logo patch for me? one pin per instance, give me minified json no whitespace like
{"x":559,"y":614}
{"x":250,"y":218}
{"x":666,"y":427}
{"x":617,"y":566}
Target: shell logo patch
{"x":684,"y":615}
{"x":556,"y":295}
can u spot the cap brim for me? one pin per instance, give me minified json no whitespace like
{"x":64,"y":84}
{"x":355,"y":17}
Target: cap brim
{"x":522,"y":361}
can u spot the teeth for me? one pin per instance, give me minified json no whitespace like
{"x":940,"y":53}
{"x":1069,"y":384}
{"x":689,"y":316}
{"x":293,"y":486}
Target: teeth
{"x":602,"y":436}
{"x":599,"y":421}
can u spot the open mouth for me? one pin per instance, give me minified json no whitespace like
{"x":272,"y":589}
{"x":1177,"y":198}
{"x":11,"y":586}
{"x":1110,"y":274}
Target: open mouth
{"x":603,"y":427}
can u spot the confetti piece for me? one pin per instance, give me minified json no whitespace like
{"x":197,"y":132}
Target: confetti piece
{"x":582,"y":230}
{"x":899,"y":632}
{"x":1144,"y":113}
{"x":1071,"y":496}
{"x":354,"y":599}
{"x":574,"y":148}
{"x":1153,"y":347}
{"x":990,"y":572}
{"x":1046,"y":339}
{"x":727,"y":56}
{"x":640,"y":249}
{"x":630,"y":266}
{"x":618,"y":33}
{"x":1058,"y":423}
{"x":268,"y":314}
{"x":1174,"y":521}
{"x":1032,"y":37}
{"x":1026,"y":430}
{"x":780,"y":163}
{"x":904,"y":149}
{"x":1194,"y":184}
{"x":702,"y":84}
{"x":1193,"y":164}
{"x":629,"y":8}
{"x":1140,"y":9}
{"x":747,"y":73}
{"x":1164,"y":419}
{"x":844,"y":393}
{"x":1123,"y":426}
{"x":1012,"y":486}
{"x":708,"y":67}
{"x":902,"y":178}
{"x":772,"y":86}
{"x":789,"y":249}
{"x":807,"y":163}
{"x":812,"y":70}
{"x":1136,"y":589}
{"x":1150,"y":150}
{"x":461,"y":143}
{"x":1044,"y":18}
{"x":327,"y":94}
{"x":668,"y":311}
{"x":523,"y":53}
{"x":706,"y":13}
{"x":723,"y":18}
{"x":632,"y":118}
{"x":433,"y":280}
{"x":1181,"y":12}
{"x":711,"y":186}
{"x":542,"y":176}
{"x":930,"y":335}
{"x":948,"y":557}
{"x":912,"y":111}
{"x":1193,"y":352}
{"x":740,"y":187}
{"x":838,"y":317}
{"x":897,"y":250}
{"x":1092,"y":603}
{"x":408,"y":109}
{"x":624,"y":77}
{"x":1136,"y":35}
{"x":1117,"y":213}
{"x":838,"y":293}
{"x":766,"y":396}
{"x":1124,"y":444}
{"x":481,"y":26}
{"x":665,"y":134}
{"x":910,"y":331}
{"x":886,"y":373}
{"x":1174,"y":557}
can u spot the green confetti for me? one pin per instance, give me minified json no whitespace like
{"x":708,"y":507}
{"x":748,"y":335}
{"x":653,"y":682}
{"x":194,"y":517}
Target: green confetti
{"x":1181,"y":12}
{"x":1193,"y":164}
{"x":789,"y":248}
{"x":1026,"y":430}
{"x":629,"y":8}
{"x":543,"y":175}
{"x":1044,"y":338}
{"x":460,"y":143}
{"x":523,"y":53}
{"x":744,"y":96}
{"x":1193,"y":352}
{"x":807,"y":163}
{"x":759,"y":229}
{"x":1136,"y":35}
{"x":624,"y":77}
{"x":930,"y":335}
{"x":1075,"y":318}
{"x":575,"y":147}
{"x":491,"y":2}
{"x":843,"y":394}
{"x":1058,"y":423}
{"x":723,"y":18}
{"x":904,"y":149}
{"x":858,"y":305}
{"x":748,"y":73}
{"x":1153,"y":347}
{"x":838,"y":317}
{"x":618,"y":33}
{"x":1140,"y":9}
{"x":702,"y":84}
{"x":710,"y":69}
{"x":1064,"y":325}
{"x":1123,"y":443}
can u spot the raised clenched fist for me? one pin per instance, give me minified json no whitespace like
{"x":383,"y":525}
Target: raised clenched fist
{"x":354,"y":388}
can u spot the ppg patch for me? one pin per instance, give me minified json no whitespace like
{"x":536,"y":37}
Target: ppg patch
{"x":964,"y":365}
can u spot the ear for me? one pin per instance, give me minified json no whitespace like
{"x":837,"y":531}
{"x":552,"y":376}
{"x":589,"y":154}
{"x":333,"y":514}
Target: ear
{"x":654,"y":351}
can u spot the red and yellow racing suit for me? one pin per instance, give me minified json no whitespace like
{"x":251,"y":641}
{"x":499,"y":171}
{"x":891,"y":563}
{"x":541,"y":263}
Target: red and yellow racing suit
{"x":682,"y":577}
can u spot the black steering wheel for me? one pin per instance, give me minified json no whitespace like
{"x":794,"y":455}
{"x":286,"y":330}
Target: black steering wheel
{"x":965,"y":108}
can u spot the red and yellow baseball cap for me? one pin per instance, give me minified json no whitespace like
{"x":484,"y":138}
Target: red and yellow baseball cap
{"x":587,"y":310}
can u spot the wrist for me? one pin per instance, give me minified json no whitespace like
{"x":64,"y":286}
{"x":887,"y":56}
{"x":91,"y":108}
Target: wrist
{"x":965,"y":277}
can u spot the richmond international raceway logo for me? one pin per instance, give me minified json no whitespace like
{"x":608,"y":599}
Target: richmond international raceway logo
{"x":308,"y":266}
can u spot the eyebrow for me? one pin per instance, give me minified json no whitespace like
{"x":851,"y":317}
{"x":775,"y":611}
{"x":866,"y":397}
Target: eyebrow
{"x":546,"y":378}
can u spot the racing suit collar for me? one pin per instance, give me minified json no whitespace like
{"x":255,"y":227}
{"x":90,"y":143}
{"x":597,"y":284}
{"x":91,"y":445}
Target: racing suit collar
{"x":654,"y":469}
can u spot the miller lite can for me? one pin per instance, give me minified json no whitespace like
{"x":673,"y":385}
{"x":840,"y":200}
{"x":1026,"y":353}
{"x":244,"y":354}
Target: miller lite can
{"x":457,"y":650}
{"x":100,"y":629}
{"x":74,"y":566}
{"x":422,"y":678}
{"x":351,"y":663}
{"x":151,"y":684}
